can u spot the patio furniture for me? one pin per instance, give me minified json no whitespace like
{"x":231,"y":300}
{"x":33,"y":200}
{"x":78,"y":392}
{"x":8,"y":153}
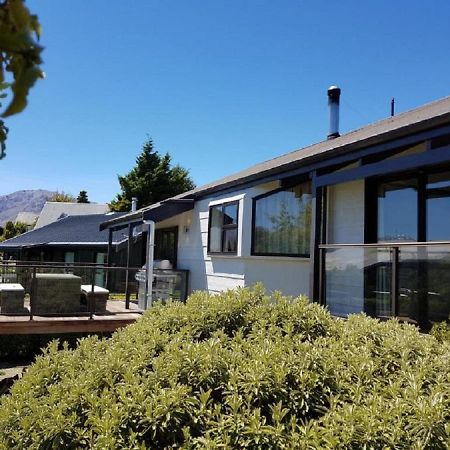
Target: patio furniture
{"x":11,"y":298}
{"x":99,"y":296}
{"x":56,"y":293}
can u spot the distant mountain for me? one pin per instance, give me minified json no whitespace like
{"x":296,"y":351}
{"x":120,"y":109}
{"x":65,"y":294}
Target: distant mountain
{"x":20,"y":201}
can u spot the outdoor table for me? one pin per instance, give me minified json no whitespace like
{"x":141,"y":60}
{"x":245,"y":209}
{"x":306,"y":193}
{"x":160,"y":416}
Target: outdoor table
{"x":99,"y":296}
{"x":56,"y":293}
{"x":11,"y":298}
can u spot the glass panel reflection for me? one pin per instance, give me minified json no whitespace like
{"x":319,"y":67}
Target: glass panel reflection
{"x":230,"y":214}
{"x":438,"y":207}
{"x":424,"y":277}
{"x":215,"y":229}
{"x":397,"y":211}
{"x":359,"y":279}
{"x":283,"y":221}
{"x":230,"y":240}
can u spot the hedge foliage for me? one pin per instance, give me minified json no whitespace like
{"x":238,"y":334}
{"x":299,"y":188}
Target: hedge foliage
{"x":237,"y":370}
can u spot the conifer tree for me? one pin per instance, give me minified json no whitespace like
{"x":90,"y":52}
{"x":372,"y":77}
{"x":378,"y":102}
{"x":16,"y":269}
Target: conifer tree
{"x":151,"y":180}
{"x":83,"y":197}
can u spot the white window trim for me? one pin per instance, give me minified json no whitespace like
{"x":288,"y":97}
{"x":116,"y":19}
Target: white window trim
{"x":236,"y":198}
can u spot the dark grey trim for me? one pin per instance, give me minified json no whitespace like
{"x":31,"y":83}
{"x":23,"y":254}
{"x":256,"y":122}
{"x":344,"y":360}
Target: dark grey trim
{"x":425,"y":159}
{"x":157,"y":212}
{"x":168,"y":209}
{"x":307,"y":165}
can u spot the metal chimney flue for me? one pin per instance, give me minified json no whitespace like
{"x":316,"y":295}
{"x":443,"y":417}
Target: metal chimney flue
{"x":334,"y":94}
{"x":133,"y":204}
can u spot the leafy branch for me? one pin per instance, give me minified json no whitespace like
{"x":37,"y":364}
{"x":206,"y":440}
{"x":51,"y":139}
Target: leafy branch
{"x":20,"y":58}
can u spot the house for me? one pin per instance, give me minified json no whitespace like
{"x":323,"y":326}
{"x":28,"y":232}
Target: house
{"x":28,"y":218}
{"x":53,"y":211}
{"x":359,"y":222}
{"x":76,"y":239}
{"x":70,"y":239}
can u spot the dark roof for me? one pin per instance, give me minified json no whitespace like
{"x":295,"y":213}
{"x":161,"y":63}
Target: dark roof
{"x":70,"y":230}
{"x":423,"y":118}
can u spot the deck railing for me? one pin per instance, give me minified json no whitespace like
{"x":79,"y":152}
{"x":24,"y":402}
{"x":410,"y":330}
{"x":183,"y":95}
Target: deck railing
{"x":29,"y":288}
{"x":409,"y":280}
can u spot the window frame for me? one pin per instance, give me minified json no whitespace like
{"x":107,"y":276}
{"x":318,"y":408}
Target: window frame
{"x":371,"y":232}
{"x":268,"y":194}
{"x":223,"y":227}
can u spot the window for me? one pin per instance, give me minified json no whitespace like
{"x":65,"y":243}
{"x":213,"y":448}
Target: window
{"x":166,"y":245}
{"x":69,"y":257}
{"x":397,"y":210}
{"x":282,"y":222}
{"x":413,"y":208}
{"x":223,"y":228}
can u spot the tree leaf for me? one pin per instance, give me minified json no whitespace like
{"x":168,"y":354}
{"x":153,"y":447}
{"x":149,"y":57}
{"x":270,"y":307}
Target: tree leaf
{"x":20,"y":89}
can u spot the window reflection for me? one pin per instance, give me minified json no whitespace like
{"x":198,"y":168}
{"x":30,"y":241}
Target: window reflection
{"x":282,"y":222}
{"x":438,"y":207}
{"x":397,"y":211}
{"x":223,"y":227}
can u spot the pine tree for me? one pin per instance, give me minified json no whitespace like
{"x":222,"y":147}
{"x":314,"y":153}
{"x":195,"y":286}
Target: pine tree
{"x":83,"y":197}
{"x":151,"y":180}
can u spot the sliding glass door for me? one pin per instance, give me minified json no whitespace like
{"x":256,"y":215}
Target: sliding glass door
{"x":413,"y":209}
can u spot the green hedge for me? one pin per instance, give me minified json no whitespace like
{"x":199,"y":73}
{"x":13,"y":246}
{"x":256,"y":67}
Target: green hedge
{"x":237,"y":370}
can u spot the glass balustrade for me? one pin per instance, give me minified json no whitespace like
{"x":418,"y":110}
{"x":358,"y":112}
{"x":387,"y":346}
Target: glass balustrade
{"x":410,"y":281}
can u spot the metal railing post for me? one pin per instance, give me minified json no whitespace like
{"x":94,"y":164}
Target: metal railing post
{"x":395,"y":289}
{"x":127,"y":275}
{"x":32,"y":292}
{"x":91,"y":298}
{"x":321,"y":278}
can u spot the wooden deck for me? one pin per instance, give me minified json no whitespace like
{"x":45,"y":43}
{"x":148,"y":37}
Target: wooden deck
{"x":115,"y":317}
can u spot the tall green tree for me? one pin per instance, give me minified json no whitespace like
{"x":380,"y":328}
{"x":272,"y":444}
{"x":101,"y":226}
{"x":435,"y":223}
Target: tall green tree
{"x":83,"y":197}
{"x":151,"y":180}
{"x":20,"y":57}
{"x":12,"y":230}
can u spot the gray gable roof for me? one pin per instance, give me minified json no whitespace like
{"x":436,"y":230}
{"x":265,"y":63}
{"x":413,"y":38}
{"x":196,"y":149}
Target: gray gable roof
{"x":71,"y":230}
{"x":52,"y":211}
{"x":423,"y":118}
{"x":416,"y":120}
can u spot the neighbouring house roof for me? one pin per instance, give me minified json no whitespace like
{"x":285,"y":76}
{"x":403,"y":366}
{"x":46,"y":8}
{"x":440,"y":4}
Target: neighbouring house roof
{"x":26,"y":217}
{"x":69,"y":231}
{"x":53,"y":211}
{"x":420,"y":119}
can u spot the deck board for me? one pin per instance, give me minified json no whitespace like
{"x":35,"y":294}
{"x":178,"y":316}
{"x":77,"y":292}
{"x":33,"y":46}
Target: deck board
{"x":115,"y":317}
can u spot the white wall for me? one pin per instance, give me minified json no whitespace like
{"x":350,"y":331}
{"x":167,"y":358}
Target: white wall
{"x":220,"y":272}
{"x":345,"y":274}
{"x":346,"y":213}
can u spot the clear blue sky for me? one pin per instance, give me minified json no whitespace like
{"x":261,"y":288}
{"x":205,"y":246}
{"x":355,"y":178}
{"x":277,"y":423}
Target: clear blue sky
{"x":220,"y":85}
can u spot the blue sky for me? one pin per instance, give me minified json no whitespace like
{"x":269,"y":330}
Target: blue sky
{"x":220,"y":85}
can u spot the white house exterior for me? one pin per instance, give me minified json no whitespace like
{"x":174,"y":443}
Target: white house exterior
{"x":353,"y":221}
{"x":218,"y":271}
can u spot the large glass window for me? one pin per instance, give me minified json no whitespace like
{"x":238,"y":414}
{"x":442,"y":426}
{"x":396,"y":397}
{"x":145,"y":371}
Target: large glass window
{"x":397,"y":211}
{"x":223,"y":228}
{"x":415,"y":208}
{"x":438,"y":207}
{"x":282,"y":222}
{"x":405,"y":204}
